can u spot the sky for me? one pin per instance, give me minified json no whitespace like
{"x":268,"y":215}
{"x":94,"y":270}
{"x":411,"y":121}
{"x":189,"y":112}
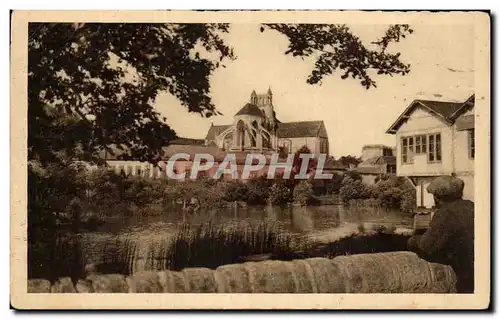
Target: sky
{"x":442,"y":68}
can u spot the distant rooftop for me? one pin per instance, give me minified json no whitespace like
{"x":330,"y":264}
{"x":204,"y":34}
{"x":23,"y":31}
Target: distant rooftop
{"x":187,"y":141}
{"x":376,"y":146}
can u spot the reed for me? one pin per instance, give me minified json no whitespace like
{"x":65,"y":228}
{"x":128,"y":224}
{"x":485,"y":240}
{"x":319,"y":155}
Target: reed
{"x":211,"y":245}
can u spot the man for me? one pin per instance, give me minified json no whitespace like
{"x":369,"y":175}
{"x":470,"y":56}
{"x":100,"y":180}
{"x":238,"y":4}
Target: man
{"x":450,"y":236}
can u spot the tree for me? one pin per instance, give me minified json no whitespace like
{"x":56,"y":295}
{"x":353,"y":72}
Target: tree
{"x":340,"y":50}
{"x":282,"y":151}
{"x":297,"y":161}
{"x":96,"y":84}
{"x":91,"y":86}
{"x":303,"y":192}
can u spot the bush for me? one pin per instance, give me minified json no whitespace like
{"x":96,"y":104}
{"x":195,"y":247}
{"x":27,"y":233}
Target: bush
{"x":234,"y":191}
{"x":389,"y":192}
{"x":279,"y":193}
{"x":303,"y":192}
{"x":408,"y":201}
{"x":395,"y":192}
{"x":333,"y":185}
{"x":353,"y":189}
{"x":258,"y":191}
{"x":354,"y":175}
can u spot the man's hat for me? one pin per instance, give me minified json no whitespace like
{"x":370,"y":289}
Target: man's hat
{"x":446,"y":187}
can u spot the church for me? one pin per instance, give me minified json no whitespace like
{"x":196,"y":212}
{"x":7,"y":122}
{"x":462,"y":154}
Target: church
{"x":255,"y":128}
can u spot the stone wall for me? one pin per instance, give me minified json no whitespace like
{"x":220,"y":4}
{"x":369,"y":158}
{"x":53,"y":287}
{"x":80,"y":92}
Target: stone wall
{"x":396,"y":272}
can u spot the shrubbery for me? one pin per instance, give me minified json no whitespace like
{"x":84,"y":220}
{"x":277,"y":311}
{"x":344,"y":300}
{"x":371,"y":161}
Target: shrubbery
{"x":389,"y":191}
{"x":70,"y":193}
{"x":279,"y":193}
{"x":332,"y":186}
{"x":303,"y":192}
{"x":354,"y":189}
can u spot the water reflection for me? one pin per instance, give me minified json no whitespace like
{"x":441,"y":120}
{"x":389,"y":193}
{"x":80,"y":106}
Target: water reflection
{"x":141,"y":242}
{"x":296,"y":219}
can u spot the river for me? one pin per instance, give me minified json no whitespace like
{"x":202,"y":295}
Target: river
{"x":293,"y":218}
{"x":150,"y":236}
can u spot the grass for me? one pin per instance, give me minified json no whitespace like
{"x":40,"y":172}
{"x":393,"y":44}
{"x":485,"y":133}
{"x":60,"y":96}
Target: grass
{"x":213,"y":245}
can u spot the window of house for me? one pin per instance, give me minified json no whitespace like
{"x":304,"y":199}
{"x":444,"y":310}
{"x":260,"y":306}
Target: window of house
{"x":407,"y":149}
{"x":472,"y":146}
{"x":391,"y":169}
{"x":420,"y":144}
{"x":434,"y":148}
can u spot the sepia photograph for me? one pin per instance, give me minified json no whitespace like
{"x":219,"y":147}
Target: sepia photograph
{"x":336,"y":158}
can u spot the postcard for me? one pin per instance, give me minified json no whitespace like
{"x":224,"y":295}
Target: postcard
{"x":250,"y":160}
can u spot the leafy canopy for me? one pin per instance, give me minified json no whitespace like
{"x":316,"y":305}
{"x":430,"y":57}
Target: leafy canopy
{"x":92,"y":86}
{"x":337,"y":48}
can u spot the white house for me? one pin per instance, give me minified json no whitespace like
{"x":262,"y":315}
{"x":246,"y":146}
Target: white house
{"x":377,"y":160}
{"x":435,"y":138}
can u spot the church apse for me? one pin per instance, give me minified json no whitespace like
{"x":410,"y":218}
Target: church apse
{"x":255,"y":128}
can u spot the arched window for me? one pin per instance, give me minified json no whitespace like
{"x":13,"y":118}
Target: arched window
{"x":253,"y":139}
{"x":266,"y":139}
{"x":240,"y":128}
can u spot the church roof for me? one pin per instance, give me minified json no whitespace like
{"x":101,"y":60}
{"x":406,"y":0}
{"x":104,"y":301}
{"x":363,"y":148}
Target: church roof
{"x":250,"y":109}
{"x":299,"y":129}
{"x":215,"y":130}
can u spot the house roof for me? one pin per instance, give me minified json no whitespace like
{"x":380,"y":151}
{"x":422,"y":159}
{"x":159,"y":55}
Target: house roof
{"x":333,"y":165}
{"x":446,"y":111}
{"x":299,"y":129}
{"x":375,"y":164}
{"x":370,"y":169}
{"x":376,"y":146}
{"x":390,"y":160}
{"x":192,"y":150}
{"x":215,"y":130}
{"x":469,"y":103}
{"x":369,"y":161}
{"x":187,"y":141}
{"x":250,"y":109}
{"x":378,"y":160}
{"x":465,"y":122}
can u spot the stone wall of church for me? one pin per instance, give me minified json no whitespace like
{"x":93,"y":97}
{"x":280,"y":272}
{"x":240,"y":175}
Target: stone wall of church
{"x":294,"y":144}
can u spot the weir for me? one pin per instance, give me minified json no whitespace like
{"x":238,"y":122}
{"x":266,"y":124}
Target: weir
{"x":393,"y":272}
